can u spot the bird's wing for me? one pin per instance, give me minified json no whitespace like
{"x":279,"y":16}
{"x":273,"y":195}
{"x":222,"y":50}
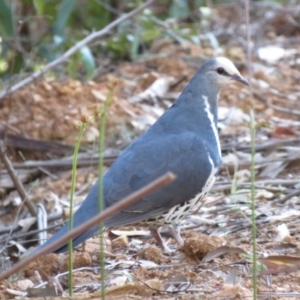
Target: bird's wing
{"x":184,"y":154}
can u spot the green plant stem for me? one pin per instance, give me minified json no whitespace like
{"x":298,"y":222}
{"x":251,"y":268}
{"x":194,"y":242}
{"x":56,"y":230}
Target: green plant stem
{"x":72,"y":192}
{"x":253,"y":216}
{"x":103,"y":115}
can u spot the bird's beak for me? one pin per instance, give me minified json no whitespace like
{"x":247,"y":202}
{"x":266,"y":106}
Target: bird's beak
{"x":239,"y":78}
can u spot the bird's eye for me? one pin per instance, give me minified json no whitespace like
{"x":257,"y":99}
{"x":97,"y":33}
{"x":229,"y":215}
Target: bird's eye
{"x":221,"y":71}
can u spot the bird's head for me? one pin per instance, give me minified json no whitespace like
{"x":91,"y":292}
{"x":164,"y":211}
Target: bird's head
{"x":221,"y":71}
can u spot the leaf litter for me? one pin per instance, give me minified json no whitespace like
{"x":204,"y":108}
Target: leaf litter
{"x":217,"y":237}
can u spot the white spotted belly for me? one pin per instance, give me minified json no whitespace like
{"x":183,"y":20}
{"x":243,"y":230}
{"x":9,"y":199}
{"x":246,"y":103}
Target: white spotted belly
{"x":178,"y":212}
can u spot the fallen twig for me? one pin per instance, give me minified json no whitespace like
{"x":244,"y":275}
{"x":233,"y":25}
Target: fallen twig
{"x":18,"y":185}
{"x":288,"y":196}
{"x":84,"y":160}
{"x":20,"y":142}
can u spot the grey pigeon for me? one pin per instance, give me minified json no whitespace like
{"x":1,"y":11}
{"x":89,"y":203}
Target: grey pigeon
{"x":184,"y":140}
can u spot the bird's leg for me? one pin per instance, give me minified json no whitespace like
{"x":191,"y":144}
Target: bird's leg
{"x":175,"y":233}
{"x":156,"y":235}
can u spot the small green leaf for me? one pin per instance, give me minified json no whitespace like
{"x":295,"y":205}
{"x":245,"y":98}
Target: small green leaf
{"x":39,"y":6}
{"x":64,"y":11}
{"x":88,"y":61}
{"x":135,"y":41}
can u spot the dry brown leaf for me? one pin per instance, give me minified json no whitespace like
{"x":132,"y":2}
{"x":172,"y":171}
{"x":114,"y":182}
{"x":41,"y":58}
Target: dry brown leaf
{"x":221,"y":251}
{"x":275,"y":261}
{"x":146,"y":289}
{"x":121,"y":241}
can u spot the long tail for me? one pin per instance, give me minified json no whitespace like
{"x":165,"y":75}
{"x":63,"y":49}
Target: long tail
{"x":86,"y":211}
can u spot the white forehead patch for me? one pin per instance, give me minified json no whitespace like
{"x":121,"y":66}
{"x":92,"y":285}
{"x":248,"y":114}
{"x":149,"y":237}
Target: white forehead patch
{"x":228,"y":66}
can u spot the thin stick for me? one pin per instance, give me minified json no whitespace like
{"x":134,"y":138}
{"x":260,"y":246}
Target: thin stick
{"x":103,"y":115}
{"x":17,"y":183}
{"x":73,"y":50}
{"x":121,"y":205}
{"x":72,"y":193}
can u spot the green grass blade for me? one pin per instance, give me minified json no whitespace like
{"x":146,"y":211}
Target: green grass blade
{"x":253,"y":216}
{"x":72,"y":192}
{"x":103,"y":115}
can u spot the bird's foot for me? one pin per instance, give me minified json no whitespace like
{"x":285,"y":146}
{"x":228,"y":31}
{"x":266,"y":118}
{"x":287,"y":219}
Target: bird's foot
{"x":176,"y":235}
{"x":156,"y":235}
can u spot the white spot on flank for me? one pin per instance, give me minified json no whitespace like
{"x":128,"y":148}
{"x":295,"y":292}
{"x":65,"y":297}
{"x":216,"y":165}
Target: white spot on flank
{"x":212,"y":122}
